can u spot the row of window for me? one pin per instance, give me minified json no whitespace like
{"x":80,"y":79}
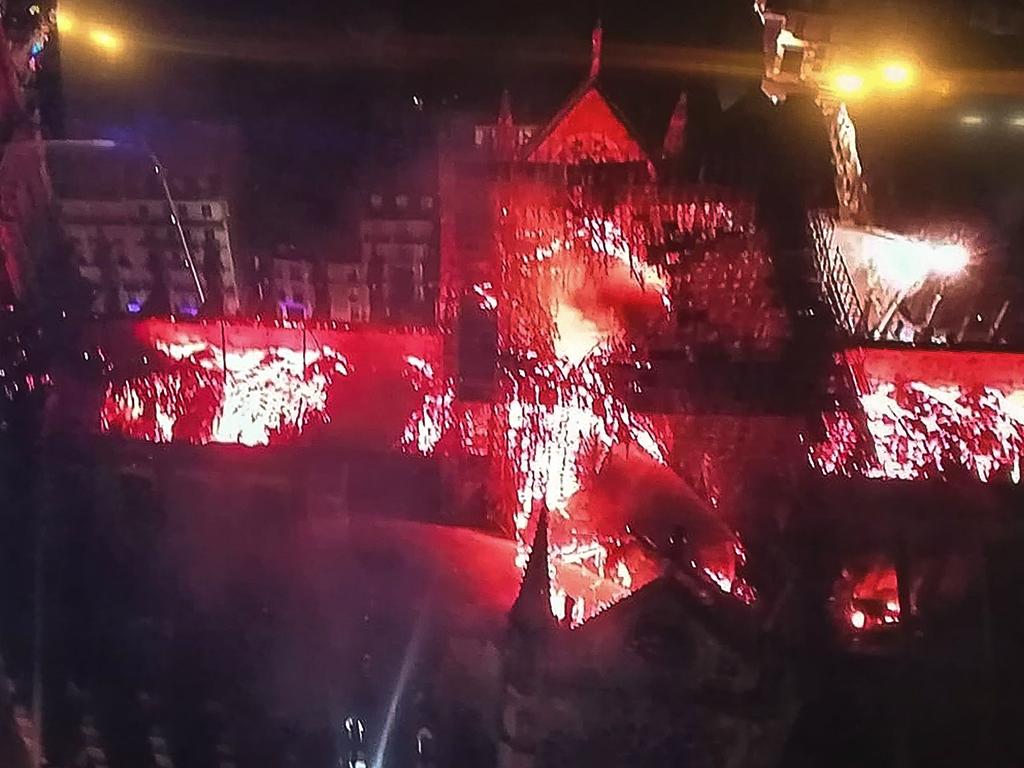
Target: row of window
{"x":127,"y":264}
{"x":141,"y":287}
{"x":206,"y":210}
{"x":402,"y":202}
{"x":151,"y":234}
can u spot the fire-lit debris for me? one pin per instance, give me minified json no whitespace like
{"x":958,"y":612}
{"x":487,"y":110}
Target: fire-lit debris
{"x":266,"y":394}
{"x":578,"y":295}
{"x":868,"y":599}
{"x":910,"y":429}
{"x":441,"y":424}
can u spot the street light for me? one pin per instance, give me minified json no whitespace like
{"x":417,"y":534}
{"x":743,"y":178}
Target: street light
{"x":897,"y":74}
{"x":106,"y":40}
{"x":65,"y":22}
{"x":847,"y":83}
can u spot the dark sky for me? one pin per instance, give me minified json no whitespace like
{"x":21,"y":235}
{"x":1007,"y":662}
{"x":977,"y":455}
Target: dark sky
{"x":320,"y":88}
{"x":323,"y":90}
{"x":226,"y":56}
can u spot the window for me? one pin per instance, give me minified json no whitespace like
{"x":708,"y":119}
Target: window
{"x":207,"y":211}
{"x":402,"y":201}
{"x":124,"y":262}
{"x":210,"y":235}
{"x":427,"y":203}
{"x":376,"y":201}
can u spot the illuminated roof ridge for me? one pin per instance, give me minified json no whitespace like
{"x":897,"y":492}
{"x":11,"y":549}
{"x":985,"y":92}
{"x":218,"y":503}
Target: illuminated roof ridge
{"x":590,"y":108}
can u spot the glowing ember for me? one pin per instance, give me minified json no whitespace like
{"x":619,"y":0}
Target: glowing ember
{"x":265,"y":393}
{"x":917,"y":431}
{"x":578,"y":293}
{"x":440,"y":418}
{"x":488,"y":301}
{"x":869,"y":598}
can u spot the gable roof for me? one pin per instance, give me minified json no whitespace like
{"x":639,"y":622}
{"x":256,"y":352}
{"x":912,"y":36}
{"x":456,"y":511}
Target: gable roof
{"x":588,"y":127}
{"x":731,"y":623}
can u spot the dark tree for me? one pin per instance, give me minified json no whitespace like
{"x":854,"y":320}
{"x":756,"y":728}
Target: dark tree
{"x":159,"y":302}
{"x":103,"y":251}
{"x":321,"y":290}
{"x":213,"y":276}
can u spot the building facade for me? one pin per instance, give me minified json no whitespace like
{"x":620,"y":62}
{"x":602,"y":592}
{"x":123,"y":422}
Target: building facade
{"x":131,"y":255}
{"x":398,"y":234}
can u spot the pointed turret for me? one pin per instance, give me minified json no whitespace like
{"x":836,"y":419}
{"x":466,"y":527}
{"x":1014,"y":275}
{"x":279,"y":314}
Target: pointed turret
{"x":675,"y":136}
{"x":596,"y":40}
{"x":532,"y":608}
{"x":505,"y":133}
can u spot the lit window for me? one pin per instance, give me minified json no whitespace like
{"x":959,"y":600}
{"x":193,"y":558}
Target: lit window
{"x":427,"y":203}
{"x":376,"y":201}
{"x":402,"y":201}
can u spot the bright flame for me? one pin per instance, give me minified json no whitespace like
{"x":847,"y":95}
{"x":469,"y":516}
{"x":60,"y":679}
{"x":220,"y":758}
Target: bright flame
{"x":557,"y":416}
{"x":266,"y":392}
{"x":915,"y":430}
{"x":904,"y":262}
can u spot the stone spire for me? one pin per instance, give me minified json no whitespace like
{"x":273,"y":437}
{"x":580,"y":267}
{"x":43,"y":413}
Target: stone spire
{"x":675,"y":136}
{"x":532,"y":608}
{"x":505,"y":131}
{"x":596,"y":40}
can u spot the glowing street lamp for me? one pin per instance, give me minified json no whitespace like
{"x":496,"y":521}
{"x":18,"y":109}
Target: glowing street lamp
{"x":897,"y":75}
{"x":106,"y":40}
{"x":847,"y":83}
{"x":65,"y":22}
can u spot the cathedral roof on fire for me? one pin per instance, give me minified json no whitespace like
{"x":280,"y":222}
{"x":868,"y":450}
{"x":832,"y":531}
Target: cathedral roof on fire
{"x":588,"y":128}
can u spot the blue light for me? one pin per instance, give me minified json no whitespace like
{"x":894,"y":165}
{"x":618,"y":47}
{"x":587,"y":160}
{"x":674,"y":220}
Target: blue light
{"x":134,"y":307}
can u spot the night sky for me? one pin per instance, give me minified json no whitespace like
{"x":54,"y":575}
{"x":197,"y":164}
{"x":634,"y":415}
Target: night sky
{"x":322,"y":91}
